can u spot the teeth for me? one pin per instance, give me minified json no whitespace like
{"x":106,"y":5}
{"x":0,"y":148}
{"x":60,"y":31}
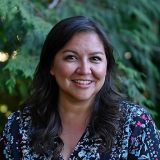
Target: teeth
{"x":83,"y":82}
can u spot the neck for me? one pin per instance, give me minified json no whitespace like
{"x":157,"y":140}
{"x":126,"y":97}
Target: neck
{"x":74,"y":113}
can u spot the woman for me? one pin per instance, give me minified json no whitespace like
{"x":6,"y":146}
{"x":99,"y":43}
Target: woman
{"x":73,"y":111}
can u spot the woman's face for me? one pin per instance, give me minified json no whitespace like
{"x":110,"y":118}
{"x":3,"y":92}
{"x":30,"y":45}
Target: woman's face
{"x":80,"y":67}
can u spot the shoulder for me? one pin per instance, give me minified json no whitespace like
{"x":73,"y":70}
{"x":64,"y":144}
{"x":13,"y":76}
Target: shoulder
{"x":131,"y":107}
{"x":17,"y":118}
{"x":15,"y":133}
{"x":16,"y":121}
{"x":140,"y":131}
{"x":134,"y":111}
{"x":16,"y":124}
{"x":138,"y":120}
{"x":12,"y":122}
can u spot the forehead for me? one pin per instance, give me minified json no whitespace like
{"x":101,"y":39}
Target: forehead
{"x":85,"y":35}
{"x":85,"y":39}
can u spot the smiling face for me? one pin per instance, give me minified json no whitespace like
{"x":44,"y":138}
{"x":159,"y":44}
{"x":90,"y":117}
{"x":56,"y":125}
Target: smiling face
{"x":80,"y":67}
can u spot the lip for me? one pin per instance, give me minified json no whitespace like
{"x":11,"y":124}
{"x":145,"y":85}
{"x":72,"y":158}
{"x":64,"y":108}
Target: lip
{"x":82,"y":83}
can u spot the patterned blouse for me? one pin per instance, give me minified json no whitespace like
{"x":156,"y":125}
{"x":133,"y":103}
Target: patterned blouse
{"x":139,"y":139}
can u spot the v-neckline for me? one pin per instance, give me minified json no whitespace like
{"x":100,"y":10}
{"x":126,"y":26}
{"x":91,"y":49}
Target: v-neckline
{"x":85,"y":134}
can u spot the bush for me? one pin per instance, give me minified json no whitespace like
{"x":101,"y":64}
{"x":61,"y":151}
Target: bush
{"x":133,"y":29}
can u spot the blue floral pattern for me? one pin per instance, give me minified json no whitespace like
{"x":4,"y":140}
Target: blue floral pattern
{"x":139,"y":139}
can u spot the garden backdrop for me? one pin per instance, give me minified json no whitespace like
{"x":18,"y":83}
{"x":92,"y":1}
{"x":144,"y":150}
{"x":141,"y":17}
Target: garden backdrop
{"x":133,"y":27}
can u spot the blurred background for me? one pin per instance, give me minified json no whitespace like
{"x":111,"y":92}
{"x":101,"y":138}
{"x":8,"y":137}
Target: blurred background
{"x":133,"y":28}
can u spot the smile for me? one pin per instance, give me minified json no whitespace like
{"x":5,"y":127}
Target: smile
{"x":83,"y":82}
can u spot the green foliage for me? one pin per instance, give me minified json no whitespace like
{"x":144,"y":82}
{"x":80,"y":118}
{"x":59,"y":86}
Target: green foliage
{"x":133,"y":30}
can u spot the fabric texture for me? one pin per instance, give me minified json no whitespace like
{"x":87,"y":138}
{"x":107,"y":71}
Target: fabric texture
{"x":139,"y":139}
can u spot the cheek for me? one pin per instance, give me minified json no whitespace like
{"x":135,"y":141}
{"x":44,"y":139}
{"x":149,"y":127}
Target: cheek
{"x":63,"y":70}
{"x":100,"y":71}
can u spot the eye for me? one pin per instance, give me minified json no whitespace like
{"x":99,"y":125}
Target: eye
{"x":96,"y":59}
{"x":70,"y":58}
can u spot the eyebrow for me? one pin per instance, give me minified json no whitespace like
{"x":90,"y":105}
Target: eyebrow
{"x":91,"y":53}
{"x":69,"y":50}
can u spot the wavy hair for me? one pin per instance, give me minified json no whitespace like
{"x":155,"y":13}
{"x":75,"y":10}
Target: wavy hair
{"x":43,"y":101}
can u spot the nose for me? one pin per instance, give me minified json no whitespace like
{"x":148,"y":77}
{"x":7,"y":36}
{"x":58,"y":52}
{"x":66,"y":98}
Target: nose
{"x":84,"y":67}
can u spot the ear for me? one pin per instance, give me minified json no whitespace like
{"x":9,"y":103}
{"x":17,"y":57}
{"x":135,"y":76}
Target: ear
{"x":52,"y":70}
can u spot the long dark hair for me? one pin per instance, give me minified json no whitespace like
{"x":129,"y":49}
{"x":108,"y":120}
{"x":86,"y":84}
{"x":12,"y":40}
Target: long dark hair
{"x":44,"y":93}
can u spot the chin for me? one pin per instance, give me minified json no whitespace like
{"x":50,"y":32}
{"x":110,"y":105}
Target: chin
{"x":84,"y":97}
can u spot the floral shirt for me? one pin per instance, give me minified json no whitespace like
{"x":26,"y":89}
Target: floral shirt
{"x":139,"y":139}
